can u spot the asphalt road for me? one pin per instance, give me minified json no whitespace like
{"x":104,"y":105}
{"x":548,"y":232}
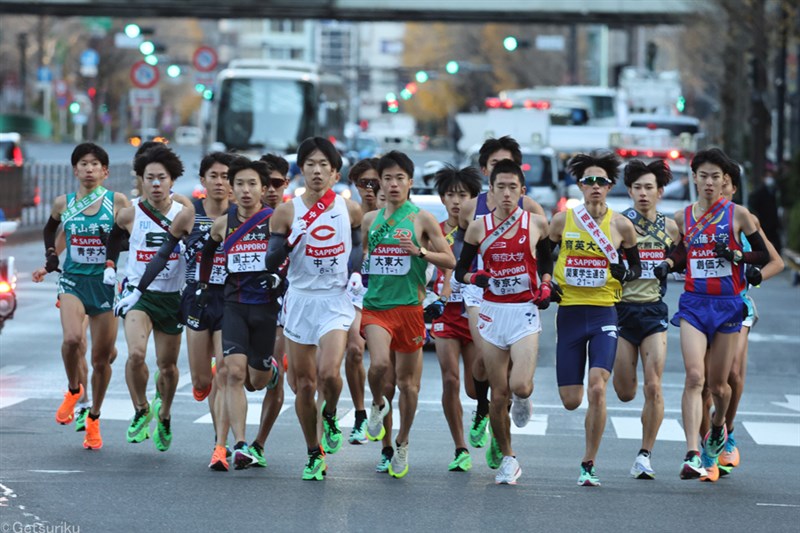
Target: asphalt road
{"x":47,"y":478}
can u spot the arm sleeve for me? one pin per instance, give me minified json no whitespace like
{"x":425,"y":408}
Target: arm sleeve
{"x":544,"y":257}
{"x":634,"y":262}
{"x":207,"y":259}
{"x":678,"y":257}
{"x":49,"y":233}
{"x":468,"y":254}
{"x":158,"y":262}
{"x":356,"y":252}
{"x":458,"y":241}
{"x":277,"y":251}
{"x":115,"y":240}
{"x":759,"y":255}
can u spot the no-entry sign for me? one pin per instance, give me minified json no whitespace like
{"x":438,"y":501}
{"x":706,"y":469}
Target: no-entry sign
{"x":205,"y":59}
{"x":144,"y":76}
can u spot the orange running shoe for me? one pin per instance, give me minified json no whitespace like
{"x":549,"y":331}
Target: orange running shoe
{"x":712,"y":468}
{"x":730,"y":455}
{"x":219,"y":462}
{"x":213,"y":368}
{"x":66,"y":411}
{"x":201,"y":395}
{"x":92,"y":440}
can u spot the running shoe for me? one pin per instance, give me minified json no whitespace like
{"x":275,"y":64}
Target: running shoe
{"x":462,"y":462}
{"x":66,"y":411}
{"x":257,"y":451}
{"x":80,"y":418}
{"x":641,"y":468}
{"x":331,"y":434}
{"x":200,"y":395}
{"x":162,"y":436}
{"x":398,"y":467}
{"x":156,"y":375}
{"x":588,"y":477}
{"x":139,"y":430}
{"x":275,"y":374}
{"x":509,"y":471}
{"x":242,"y":457}
{"x":358,"y":435}
{"x":714,"y":446}
{"x":315,"y":467}
{"x":692,"y":466}
{"x":730,"y":455}
{"x":219,"y":460}
{"x":494,"y":456}
{"x":521,"y":410}
{"x":724,"y":470}
{"x":710,"y":465}
{"x":92,"y":439}
{"x":375,"y":429}
{"x":479,"y":432}
{"x":386,"y":457}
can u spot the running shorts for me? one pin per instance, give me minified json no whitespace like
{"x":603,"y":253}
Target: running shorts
{"x":307,"y":317}
{"x":503,"y":324}
{"x":96,"y":296}
{"x":711,"y":314}
{"x":404,"y":323}
{"x":637,"y":321}
{"x":452,"y":324}
{"x":208,"y":318}
{"x":249,"y":329}
{"x":162,"y":308}
{"x":473,"y":295}
{"x":577,"y":325}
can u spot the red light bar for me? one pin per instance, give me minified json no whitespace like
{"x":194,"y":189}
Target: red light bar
{"x":492,"y":102}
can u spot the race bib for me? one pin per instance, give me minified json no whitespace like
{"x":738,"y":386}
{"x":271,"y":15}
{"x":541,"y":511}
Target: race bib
{"x":218,"y":272}
{"x":586,"y":271}
{"x":87,"y":249}
{"x":321,"y":260}
{"x":389,"y":260}
{"x":145,"y":256}
{"x":513,"y":280}
{"x":707,"y":266}
{"x":455,"y":289}
{"x":650,"y":259}
{"x":249,"y":256}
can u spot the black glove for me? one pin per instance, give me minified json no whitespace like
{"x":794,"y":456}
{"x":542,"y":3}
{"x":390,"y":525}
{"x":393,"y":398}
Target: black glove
{"x":481,"y":278}
{"x":201,"y":296}
{"x":556,"y":293}
{"x":433,"y":310}
{"x":661,"y":271}
{"x":753,"y":275}
{"x":620,"y":273}
{"x":51,"y":261}
{"x":723,"y":252}
{"x":269,"y":281}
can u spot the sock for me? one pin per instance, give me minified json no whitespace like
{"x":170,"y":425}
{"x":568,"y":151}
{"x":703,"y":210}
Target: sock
{"x":716,"y":431}
{"x":690,"y":454}
{"x":74,"y":391}
{"x":644,"y":452}
{"x":240,"y":445}
{"x":314,"y":451}
{"x":482,"y":392}
{"x":388,"y":451}
{"x":587,"y":464}
{"x":361,"y":416}
{"x":459,"y":450}
{"x":94,"y":417}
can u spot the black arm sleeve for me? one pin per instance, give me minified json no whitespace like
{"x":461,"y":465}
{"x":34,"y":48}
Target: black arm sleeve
{"x":207,"y":259}
{"x":678,"y":257}
{"x":634,"y":262}
{"x":356,"y":252}
{"x":458,"y":241}
{"x":118,"y":235}
{"x":49,"y":233}
{"x":465,"y":260}
{"x":544,"y":257}
{"x":277,"y":251}
{"x":759,"y":255}
{"x":158,"y":262}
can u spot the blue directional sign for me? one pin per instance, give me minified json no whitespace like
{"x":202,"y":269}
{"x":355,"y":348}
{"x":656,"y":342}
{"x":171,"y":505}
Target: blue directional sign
{"x":90,"y":57}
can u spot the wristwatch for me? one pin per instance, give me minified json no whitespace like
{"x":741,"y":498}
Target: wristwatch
{"x":422,"y":252}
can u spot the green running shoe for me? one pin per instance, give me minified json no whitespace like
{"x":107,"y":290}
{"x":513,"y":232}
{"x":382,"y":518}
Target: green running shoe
{"x":80,"y":419}
{"x":162,"y":436}
{"x":588,"y":477}
{"x":462,"y":462}
{"x":257,"y":451}
{"x":331,"y":434}
{"x":139,"y":430}
{"x":315,"y":467}
{"x":358,"y":435}
{"x":386,"y":458}
{"x":494,"y":456}
{"x":479,"y":432}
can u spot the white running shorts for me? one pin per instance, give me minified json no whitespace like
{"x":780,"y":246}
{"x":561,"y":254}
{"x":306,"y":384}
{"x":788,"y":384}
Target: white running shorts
{"x":307,"y":317}
{"x":505,"y":324}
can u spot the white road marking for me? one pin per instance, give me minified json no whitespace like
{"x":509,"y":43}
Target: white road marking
{"x":792,"y":402}
{"x":56,"y":471}
{"x":777,"y":505}
{"x":754,"y":336}
{"x":631,"y":428}
{"x":536,"y":426}
{"x":774,"y":433}
{"x":7,"y":370}
{"x":253,"y":414}
{"x":6,"y":401}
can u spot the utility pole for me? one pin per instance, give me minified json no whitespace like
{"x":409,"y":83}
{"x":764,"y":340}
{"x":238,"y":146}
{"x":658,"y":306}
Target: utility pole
{"x":759,"y":116}
{"x":780,"y":91}
{"x":22,"y":42}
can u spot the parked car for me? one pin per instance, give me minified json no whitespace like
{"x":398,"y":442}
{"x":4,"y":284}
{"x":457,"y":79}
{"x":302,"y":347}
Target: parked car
{"x":17,"y":189}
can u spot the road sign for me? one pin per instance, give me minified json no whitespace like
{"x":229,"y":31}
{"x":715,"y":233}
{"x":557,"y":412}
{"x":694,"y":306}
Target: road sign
{"x":204,"y":78}
{"x":144,"y":97}
{"x":205,"y":59}
{"x":144,"y":76}
{"x":44,"y":74}
{"x":90,"y":57}
{"x":61,"y":88}
{"x":123,"y":41}
{"x":550,"y":42}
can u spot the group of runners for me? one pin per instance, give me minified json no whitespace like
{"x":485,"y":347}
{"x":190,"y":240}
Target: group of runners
{"x":273,"y":292}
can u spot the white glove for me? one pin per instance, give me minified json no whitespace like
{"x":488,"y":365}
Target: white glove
{"x":355,"y":286}
{"x":297,"y":231}
{"x":125,"y":304}
{"x":110,"y":276}
{"x":269,"y":281}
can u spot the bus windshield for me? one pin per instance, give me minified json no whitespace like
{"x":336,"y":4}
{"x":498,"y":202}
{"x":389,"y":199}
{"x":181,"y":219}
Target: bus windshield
{"x":270,"y":114}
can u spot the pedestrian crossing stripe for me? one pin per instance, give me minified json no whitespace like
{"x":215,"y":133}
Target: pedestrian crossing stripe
{"x":631,"y":428}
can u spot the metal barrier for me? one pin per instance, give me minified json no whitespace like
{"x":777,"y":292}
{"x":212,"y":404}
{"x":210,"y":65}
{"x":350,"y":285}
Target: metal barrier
{"x":52,"y":180}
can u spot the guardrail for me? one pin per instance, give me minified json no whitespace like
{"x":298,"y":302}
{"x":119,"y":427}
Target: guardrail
{"x":48,"y":181}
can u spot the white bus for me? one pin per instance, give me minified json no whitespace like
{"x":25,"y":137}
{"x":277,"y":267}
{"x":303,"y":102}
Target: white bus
{"x":271,"y":106}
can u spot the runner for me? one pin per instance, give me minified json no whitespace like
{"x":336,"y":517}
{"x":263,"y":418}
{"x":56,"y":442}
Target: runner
{"x":151,"y":300}
{"x":492,"y":151}
{"x":365,"y":176}
{"x":251,"y":303}
{"x":85,"y":215}
{"x":396,"y":256}
{"x":710,"y":311}
{"x":319,"y":231}
{"x":590,"y":273}
{"x":641,"y":314}
{"x":509,"y":239}
{"x":451,"y":329}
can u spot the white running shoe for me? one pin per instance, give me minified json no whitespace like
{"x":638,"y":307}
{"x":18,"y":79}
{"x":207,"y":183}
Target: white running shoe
{"x":509,"y":471}
{"x":399,"y":466}
{"x":375,"y":429}
{"x":521,"y":410}
{"x":641,"y":468}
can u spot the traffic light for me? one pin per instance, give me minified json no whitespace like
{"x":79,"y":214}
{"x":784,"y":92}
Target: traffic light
{"x":452,"y":67}
{"x":680,"y":105}
{"x":405,"y":94}
{"x":173,"y":71}
{"x":147,"y":48}
{"x":208,"y":94}
{"x":133,"y":31}
{"x":199,"y":87}
{"x":74,"y":108}
{"x":92,"y":92}
{"x":393,"y":106}
{"x":391,"y":97}
{"x":421,"y":76}
{"x":510,"y":43}
{"x":151,"y":60}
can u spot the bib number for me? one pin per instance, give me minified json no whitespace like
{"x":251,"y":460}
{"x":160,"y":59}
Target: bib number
{"x":218,"y":273}
{"x":87,"y":250}
{"x":388,"y":260}
{"x":711,"y":267}
{"x":586,"y":271}
{"x":248,"y":256}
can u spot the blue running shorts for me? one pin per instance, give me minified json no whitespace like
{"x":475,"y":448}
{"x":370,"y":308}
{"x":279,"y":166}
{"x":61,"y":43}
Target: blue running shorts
{"x":577,"y":325}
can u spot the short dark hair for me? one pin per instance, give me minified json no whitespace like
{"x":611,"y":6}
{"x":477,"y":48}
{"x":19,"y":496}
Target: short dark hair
{"x":608,"y":161}
{"x":636,"y":168}
{"x":360,"y":168}
{"x":714,"y":156}
{"x":451,"y":178}
{"x":159,"y":154}
{"x":507,"y":166}
{"x":322,"y":144}
{"x":492,"y":145}
{"x":240,"y":163}
{"x":396,"y":158}
{"x":214,"y":157}
{"x":145,"y":146}
{"x":735,"y":172}
{"x":84,"y":149}
{"x":277,"y":163}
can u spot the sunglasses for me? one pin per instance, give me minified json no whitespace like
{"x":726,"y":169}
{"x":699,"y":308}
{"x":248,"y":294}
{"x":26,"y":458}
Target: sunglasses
{"x":373,"y":185}
{"x":591,"y":180}
{"x":276,"y":183}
